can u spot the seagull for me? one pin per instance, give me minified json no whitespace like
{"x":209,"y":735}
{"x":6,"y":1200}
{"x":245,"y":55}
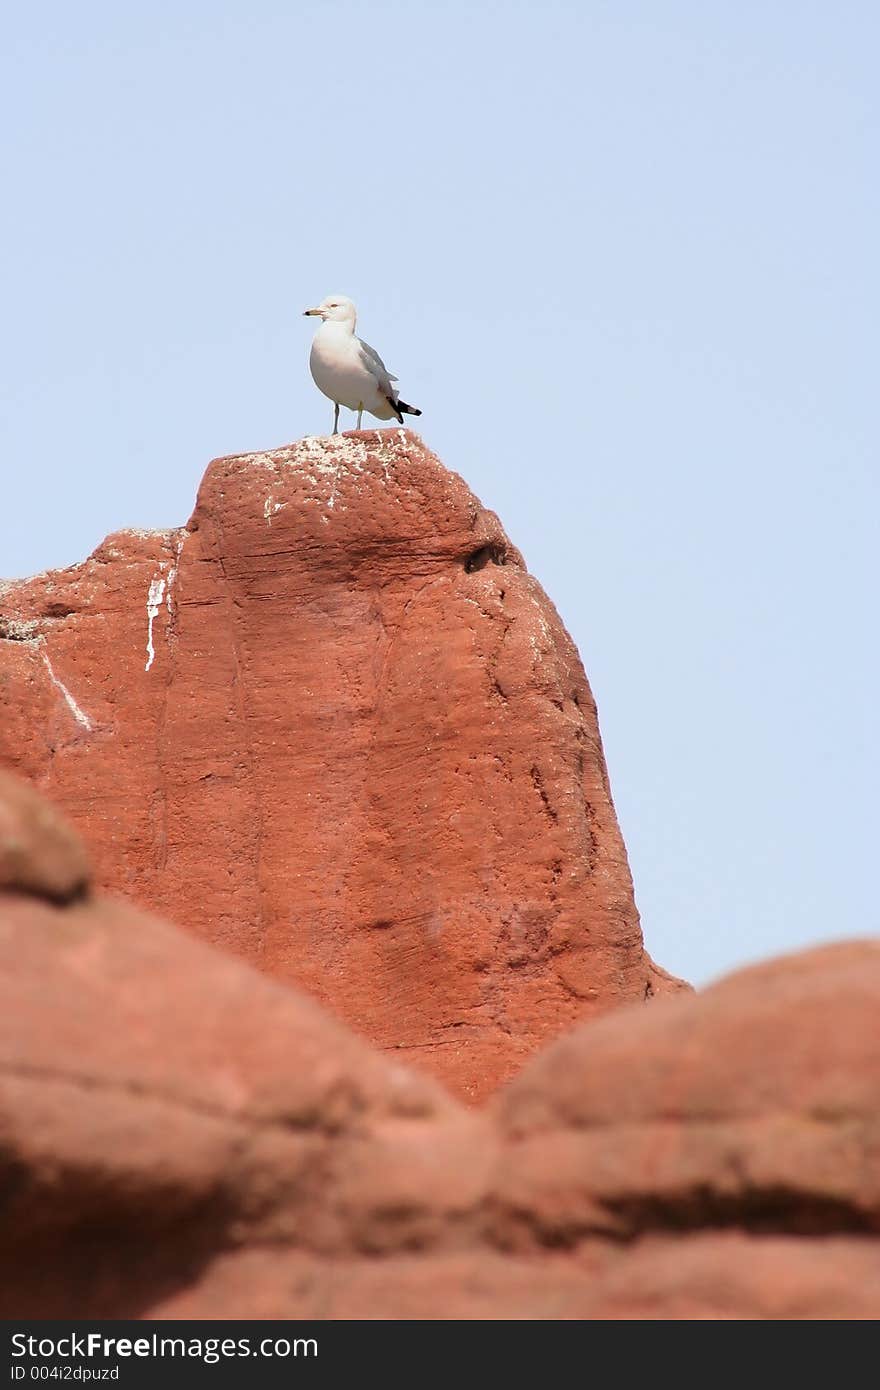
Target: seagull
{"x":347,"y":369}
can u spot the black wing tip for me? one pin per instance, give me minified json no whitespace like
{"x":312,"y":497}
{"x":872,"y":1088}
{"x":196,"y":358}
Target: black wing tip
{"x":401,"y":408}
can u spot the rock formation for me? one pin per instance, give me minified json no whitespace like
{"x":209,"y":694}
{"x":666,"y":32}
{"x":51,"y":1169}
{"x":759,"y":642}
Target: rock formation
{"x":182,"y":1136}
{"x":334,"y":729}
{"x":334,"y":726}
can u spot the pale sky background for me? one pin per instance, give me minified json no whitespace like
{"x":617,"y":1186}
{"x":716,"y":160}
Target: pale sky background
{"x":625,"y":258}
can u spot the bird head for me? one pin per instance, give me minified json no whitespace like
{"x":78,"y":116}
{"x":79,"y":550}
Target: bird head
{"x":336,"y":308}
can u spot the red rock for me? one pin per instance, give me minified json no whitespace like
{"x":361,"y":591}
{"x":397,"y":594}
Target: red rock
{"x":723,"y":1275}
{"x":162,"y":1103}
{"x":708,"y":1276}
{"x":39,"y":853}
{"x":181,"y":1136}
{"x":336,"y":727}
{"x":753,"y":1105}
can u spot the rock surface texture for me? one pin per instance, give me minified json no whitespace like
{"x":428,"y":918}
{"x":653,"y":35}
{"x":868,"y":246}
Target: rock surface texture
{"x":182,"y":1136}
{"x":334,"y":726}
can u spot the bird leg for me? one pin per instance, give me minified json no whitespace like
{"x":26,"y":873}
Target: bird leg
{"x":335,"y":417}
{"x":360,"y":413}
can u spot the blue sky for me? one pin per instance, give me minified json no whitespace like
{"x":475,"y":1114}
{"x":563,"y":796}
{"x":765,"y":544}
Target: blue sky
{"x":623,"y":255}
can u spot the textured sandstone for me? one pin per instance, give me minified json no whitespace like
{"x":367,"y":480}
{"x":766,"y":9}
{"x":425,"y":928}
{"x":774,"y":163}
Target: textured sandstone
{"x":755,"y":1104}
{"x":182,"y":1137}
{"x":335,"y":726}
{"x":160,"y":1103}
{"x":717,"y":1275}
{"x":39,"y":853}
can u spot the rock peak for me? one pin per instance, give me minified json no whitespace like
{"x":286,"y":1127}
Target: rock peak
{"x":336,"y":727}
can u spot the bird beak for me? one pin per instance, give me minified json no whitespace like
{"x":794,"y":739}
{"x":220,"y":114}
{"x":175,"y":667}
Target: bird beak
{"x":306,"y":312}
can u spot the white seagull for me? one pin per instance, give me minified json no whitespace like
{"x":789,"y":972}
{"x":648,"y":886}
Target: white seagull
{"x":348,"y":370}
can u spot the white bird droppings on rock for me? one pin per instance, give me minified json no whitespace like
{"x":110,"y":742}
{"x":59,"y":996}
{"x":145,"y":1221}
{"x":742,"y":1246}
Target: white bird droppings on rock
{"x":79,"y":715}
{"x":154,"y":603}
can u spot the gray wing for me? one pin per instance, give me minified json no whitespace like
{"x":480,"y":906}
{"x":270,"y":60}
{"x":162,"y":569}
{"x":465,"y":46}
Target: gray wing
{"x":374,"y":364}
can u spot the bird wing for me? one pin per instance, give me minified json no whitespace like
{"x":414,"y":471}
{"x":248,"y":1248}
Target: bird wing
{"x":376,"y":367}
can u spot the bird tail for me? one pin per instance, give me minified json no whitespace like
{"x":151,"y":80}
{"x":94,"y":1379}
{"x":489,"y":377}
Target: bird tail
{"x":401,"y":408}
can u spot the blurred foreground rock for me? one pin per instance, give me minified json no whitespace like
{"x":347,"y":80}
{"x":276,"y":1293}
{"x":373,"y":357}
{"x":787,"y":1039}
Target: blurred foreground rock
{"x":181,"y":1136}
